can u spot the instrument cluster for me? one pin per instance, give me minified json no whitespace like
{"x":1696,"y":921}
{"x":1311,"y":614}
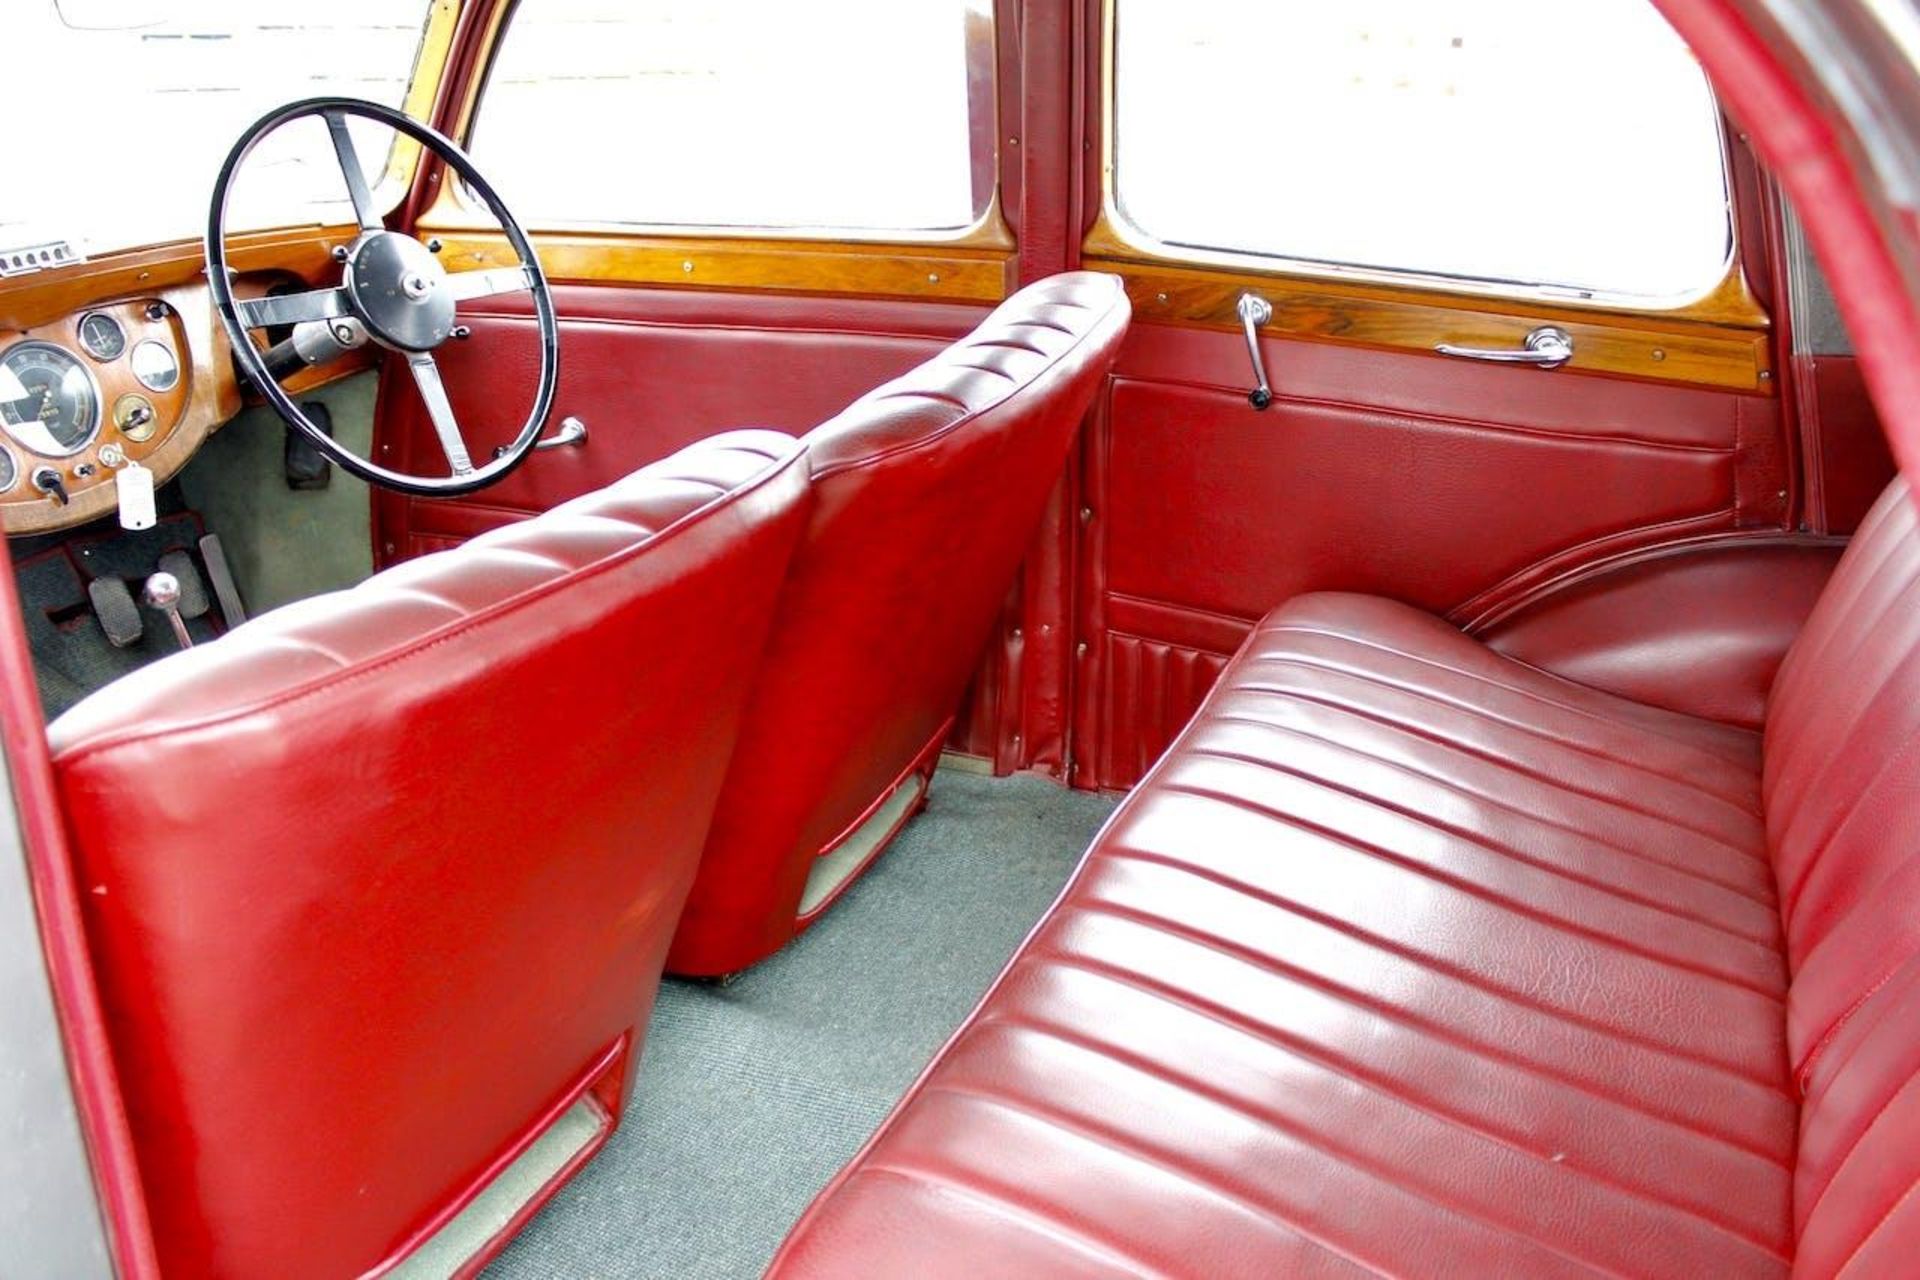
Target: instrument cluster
{"x":85,"y":395}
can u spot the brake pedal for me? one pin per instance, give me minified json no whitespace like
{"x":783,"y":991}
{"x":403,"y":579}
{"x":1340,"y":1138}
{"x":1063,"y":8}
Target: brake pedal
{"x":220,"y":574}
{"x":119,"y":615}
{"x":193,"y":589}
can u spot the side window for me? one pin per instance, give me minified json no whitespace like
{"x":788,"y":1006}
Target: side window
{"x":1567,"y":148}
{"x":848,"y":116}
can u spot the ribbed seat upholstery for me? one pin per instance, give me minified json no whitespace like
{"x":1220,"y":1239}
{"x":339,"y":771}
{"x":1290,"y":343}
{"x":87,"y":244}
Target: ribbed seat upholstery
{"x":1409,"y":959}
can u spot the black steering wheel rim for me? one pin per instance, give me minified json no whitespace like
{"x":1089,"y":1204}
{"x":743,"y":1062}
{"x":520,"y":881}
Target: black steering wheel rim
{"x":249,"y":357}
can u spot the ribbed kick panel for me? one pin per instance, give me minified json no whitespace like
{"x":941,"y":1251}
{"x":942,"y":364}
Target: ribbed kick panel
{"x":278,"y":653}
{"x":1843,"y":811}
{"x":1407,"y":960}
{"x":1152,"y":690}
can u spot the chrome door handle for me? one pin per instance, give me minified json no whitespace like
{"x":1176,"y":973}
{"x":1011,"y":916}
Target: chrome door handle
{"x":1547,"y":347}
{"x":1255,"y":311}
{"x":572,"y":433}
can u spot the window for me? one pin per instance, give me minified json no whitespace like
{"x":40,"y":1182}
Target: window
{"x":125,"y":109}
{"x":851,"y":115}
{"x":1563,"y":144}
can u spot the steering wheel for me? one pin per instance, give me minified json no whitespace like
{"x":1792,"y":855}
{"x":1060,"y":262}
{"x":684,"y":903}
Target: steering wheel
{"x":393,"y":291}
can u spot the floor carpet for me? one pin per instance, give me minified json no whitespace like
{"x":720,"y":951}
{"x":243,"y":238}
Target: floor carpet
{"x":752,"y":1095}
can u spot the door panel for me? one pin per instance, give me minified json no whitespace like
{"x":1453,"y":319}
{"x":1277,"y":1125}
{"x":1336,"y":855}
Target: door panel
{"x":1450,"y":485}
{"x":648,"y":371}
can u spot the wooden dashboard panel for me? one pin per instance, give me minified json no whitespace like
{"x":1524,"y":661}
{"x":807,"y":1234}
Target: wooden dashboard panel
{"x":49,"y":307}
{"x":203,"y":397}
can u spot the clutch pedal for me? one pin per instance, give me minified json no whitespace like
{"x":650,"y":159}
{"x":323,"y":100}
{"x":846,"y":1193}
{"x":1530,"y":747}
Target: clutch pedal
{"x":119,"y":615}
{"x":193,"y":589}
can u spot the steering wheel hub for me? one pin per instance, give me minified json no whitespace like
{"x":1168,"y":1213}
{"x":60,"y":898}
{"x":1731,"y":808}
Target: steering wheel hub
{"x":399,"y":291}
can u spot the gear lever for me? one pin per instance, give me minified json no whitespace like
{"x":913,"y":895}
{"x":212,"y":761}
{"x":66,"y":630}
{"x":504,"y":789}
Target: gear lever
{"x":162,"y":592}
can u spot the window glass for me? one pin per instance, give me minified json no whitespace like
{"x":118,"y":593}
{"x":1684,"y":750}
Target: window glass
{"x":1568,"y":143}
{"x":844,"y":114}
{"x":123,"y":111}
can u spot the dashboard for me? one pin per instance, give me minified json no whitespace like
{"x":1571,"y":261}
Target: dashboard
{"x":110,"y":384}
{"x":121,"y":358}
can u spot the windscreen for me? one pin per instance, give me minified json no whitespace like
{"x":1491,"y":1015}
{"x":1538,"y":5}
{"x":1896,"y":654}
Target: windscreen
{"x":124,"y":109}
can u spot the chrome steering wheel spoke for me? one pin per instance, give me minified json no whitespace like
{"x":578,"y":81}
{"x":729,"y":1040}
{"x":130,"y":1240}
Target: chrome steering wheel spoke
{"x":293,"y":308}
{"x":426,"y":377}
{"x":349,"y":158}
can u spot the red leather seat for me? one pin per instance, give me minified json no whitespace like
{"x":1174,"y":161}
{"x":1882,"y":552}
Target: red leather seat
{"x":382,"y":882}
{"x":1409,"y":959}
{"x":928,"y":491}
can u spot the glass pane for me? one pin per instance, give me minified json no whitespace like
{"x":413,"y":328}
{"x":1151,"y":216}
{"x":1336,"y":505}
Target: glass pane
{"x":1551,"y":142}
{"x":138,"y":104}
{"x":845,"y":114}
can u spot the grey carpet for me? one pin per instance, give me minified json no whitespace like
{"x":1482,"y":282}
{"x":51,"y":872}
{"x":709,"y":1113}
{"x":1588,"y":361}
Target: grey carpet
{"x":752,"y":1095}
{"x":285,"y":544}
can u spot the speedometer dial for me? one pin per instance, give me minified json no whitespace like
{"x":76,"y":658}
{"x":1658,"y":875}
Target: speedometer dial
{"x":48,"y":400}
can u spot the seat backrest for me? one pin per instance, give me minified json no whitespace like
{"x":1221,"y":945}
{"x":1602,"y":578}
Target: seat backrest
{"x":381,"y":880}
{"x":1842,"y":797}
{"x":927,"y":493}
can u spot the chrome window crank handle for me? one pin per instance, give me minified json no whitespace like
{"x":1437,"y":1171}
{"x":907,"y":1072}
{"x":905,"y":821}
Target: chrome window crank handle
{"x":571,"y":435}
{"x":1255,"y":311}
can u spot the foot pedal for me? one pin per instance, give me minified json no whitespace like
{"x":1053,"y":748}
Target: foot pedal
{"x":119,"y":615}
{"x":220,"y":574}
{"x":193,"y":590}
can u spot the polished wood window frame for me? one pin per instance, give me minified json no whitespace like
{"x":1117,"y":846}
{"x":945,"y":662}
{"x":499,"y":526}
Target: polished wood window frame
{"x":974,"y":264}
{"x":1721,"y":338}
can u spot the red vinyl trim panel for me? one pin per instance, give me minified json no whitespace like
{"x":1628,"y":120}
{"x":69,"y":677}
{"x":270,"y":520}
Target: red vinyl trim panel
{"x":69,"y":966}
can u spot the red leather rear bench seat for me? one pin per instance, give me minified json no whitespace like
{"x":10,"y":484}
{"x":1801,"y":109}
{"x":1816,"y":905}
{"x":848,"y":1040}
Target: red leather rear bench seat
{"x":1410,"y":959}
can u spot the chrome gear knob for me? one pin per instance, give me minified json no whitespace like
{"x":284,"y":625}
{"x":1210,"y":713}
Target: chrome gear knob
{"x":162,"y":592}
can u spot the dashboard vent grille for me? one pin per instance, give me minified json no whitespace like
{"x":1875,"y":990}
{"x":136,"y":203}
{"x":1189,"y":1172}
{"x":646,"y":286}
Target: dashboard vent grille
{"x":37,"y":257}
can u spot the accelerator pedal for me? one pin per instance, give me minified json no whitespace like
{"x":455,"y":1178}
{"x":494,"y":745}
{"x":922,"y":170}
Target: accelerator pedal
{"x":119,"y":616}
{"x":232,"y":612}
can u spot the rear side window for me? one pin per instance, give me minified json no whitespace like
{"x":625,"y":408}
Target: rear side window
{"x":844,"y":115}
{"x":1564,"y":145}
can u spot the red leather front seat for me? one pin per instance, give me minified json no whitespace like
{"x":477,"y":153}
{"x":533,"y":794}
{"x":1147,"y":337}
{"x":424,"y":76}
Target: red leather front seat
{"x":928,"y":491}
{"x":380,"y":883}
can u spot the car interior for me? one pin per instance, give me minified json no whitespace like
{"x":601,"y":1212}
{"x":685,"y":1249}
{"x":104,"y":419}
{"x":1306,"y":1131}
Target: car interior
{"x":980,"y":637}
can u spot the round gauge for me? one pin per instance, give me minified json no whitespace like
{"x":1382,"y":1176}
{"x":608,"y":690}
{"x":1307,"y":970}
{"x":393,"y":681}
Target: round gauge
{"x":49,"y":403}
{"x":155,"y":366}
{"x":134,"y":415}
{"x":9,"y":470}
{"x":102,"y":336}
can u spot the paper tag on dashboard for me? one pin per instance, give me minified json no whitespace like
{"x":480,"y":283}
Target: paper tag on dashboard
{"x":134,"y":485}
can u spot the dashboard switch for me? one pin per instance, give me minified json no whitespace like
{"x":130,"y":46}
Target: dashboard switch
{"x":48,"y":481}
